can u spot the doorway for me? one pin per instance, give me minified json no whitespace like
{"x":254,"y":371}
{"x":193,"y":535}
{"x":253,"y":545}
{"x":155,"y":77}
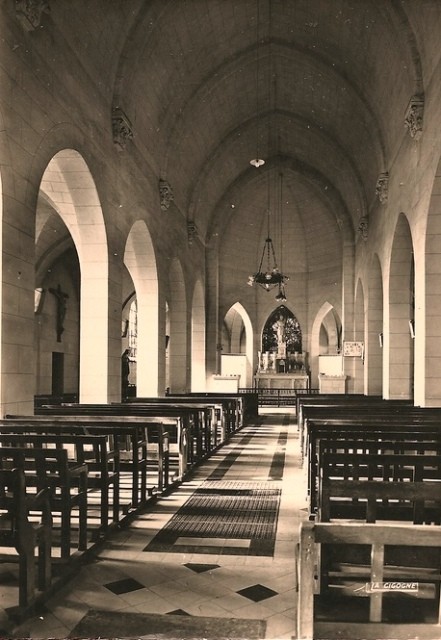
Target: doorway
{"x":57,"y":373}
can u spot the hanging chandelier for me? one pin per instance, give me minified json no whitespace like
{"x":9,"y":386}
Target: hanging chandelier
{"x":257,"y":161}
{"x":268,"y":275}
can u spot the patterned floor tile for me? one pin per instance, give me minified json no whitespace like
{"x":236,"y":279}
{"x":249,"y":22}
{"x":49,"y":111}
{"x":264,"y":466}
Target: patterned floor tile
{"x":257,"y":593}
{"x":201,"y":568}
{"x":178,"y":612}
{"x":124,"y":586}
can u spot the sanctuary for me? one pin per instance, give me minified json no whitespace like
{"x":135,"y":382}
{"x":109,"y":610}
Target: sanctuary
{"x":282,"y":364}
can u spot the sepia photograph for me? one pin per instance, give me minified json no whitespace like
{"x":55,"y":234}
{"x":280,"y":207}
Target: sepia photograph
{"x":220,"y":335}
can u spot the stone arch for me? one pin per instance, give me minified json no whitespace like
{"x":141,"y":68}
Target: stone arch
{"x":68,"y":186}
{"x":129,"y":336}
{"x":167,"y":346}
{"x":374,"y":334}
{"x":10,"y":386}
{"x":238,"y":333}
{"x":179,"y":365}
{"x":198,"y":375}
{"x":140,"y":260}
{"x":401,"y":312}
{"x":430,"y":302}
{"x":1,"y":280}
{"x":326,"y":319}
{"x":358,"y":371}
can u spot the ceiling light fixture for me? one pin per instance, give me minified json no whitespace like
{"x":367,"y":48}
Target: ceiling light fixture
{"x":257,"y":161}
{"x":270,"y":276}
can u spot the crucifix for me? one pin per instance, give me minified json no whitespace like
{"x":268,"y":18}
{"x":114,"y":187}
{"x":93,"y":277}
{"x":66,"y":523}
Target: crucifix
{"x":61,"y":309}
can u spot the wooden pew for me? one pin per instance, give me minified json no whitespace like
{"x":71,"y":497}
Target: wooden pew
{"x":400,"y":436}
{"x":348,"y":408}
{"x":330,"y":399}
{"x":367,"y":416}
{"x":386,"y":486}
{"x":94,"y":451}
{"x":238,"y":408}
{"x":190,"y":421}
{"x":128,"y":435}
{"x":319,"y":539}
{"x":211,"y":419}
{"x":144,"y":437}
{"x":67,"y":483}
{"x":24,"y":534}
{"x":248,"y":407}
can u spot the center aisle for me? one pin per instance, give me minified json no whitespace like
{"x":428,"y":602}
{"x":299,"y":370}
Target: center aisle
{"x":214,"y":559}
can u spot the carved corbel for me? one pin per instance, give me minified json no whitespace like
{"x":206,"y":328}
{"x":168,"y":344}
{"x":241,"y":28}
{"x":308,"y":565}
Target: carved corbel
{"x":414,"y":117}
{"x":121,"y":128}
{"x":30,"y":12}
{"x":382,"y":187}
{"x":166,"y":195}
{"x":363,"y":227}
{"x":192,"y":231}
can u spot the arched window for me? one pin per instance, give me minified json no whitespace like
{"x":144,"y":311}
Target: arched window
{"x":292,"y":331}
{"x":133,"y":330}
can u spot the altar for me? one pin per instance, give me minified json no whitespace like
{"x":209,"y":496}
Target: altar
{"x":281,"y":371}
{"x":282,"y":364}
{"x":281,"y":381}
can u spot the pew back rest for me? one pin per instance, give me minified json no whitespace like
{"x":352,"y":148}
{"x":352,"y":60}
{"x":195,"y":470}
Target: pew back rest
{"x":46,"y":465}
{"x":98,"y":451}
{"x":312,"y":538}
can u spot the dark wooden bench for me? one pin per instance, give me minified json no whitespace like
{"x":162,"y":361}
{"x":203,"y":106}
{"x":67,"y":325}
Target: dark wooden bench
{"x":371,"y":613}
{"x":376,"y":418}
{"x":248,"y":399}
{"x":386,"y":486}
{"x":23,"y":532}
{"x":349,"y":408}
{"x":67,"y":483}
{"x":368,"y":435}
{"x":237,"y":408}
{"x":189,"y":428}
{"x":145,"y":444}
{"x":319,"y":399}
{"x":204,"y":420}
{"x":128,"y":435}
{"x":94,"y":450}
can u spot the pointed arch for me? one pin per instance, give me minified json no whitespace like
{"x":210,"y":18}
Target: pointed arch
{"x":198,"y":375}
{"x":328,"y":320}
{"x":375,"y":334}
{"x":179,"y":365}
{"x":430,"y":303}
{"x":240,"y":335}
{"x":360,"y":331}
{"x":140,"y":260}
{"x":401,"y":312}
{"x":68,"y":186}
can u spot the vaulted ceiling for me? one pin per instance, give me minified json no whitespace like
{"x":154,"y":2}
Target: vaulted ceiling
{"x":314,"y":86}
{"x":317,"y":88}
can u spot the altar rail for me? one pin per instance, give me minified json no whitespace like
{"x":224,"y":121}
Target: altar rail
{"x":277,"y":397}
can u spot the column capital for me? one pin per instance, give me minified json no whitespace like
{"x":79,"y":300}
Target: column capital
{"x":192,"y":231}
{"x":414,"y":116}
{"x":166,"y":195}
{"x":121,"y":128}
{"x":382,"y":187}
{"x":30,"y":12}
{"x":363,"y":227}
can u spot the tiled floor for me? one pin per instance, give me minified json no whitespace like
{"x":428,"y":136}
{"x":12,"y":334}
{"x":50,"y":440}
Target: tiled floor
{"x":216,"y":577}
